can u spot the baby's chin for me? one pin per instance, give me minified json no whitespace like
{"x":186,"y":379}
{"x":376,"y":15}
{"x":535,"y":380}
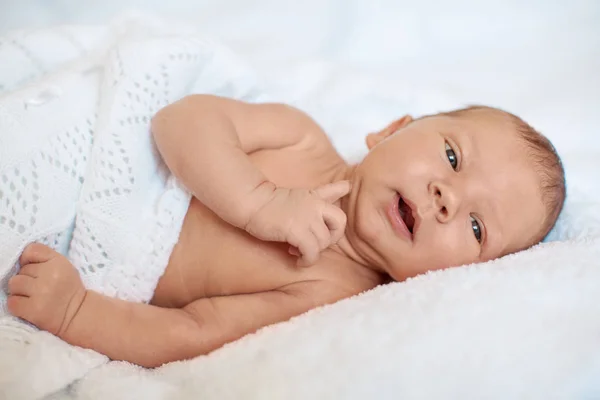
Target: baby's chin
{"x":402,"y":272}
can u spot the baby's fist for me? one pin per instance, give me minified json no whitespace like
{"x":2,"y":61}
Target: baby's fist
{"x":47,"y":291}
{"x":306,"y":219}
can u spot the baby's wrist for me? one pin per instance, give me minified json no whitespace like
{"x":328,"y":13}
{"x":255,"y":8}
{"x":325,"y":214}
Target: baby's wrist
{"x":74,"y":311}
{"x":258,"y":199}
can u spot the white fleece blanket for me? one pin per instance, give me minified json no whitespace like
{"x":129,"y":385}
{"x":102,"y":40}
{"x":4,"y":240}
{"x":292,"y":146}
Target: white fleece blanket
{"x":525,"y":326}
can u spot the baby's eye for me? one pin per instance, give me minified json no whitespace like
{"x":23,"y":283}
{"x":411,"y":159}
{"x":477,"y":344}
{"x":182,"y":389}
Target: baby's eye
{"x":476,"y":229}
{"x":451,"y":156}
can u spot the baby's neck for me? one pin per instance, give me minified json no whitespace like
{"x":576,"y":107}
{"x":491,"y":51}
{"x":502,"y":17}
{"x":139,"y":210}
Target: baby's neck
{"x":344,"y":246}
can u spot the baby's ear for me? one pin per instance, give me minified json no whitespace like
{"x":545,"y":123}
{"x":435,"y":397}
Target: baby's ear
{"x":374,"y":139}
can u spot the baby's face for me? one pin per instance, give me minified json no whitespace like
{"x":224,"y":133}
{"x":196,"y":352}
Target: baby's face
{"x":443,"y":191}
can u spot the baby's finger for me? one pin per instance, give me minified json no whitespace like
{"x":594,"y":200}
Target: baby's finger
{"x":321,"y":233}
{"x":335,"y":219}
{"x":36,"y":253}
{"x":31,"y":270}
{"x":294,"y":251}
{"x":309,"y":249}
{"x":21,"y":285}
{"x":17,"y":305}
{"x":333,"y":191}
{"x":305,"y":263}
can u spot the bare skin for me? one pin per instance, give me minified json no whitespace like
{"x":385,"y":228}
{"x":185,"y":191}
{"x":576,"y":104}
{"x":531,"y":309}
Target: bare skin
{"x":235,"y":267}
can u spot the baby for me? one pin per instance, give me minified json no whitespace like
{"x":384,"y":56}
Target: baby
{"x":271,"y":195}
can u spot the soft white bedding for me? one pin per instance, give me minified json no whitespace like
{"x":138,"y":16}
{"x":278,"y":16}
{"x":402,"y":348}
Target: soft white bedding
{"x":527,"y":326}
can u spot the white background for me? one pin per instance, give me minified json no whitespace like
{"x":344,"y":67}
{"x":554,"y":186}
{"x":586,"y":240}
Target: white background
{"x":355,"y":65}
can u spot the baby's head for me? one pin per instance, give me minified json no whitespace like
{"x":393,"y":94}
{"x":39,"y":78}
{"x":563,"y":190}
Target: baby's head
{"x":451,"y":189}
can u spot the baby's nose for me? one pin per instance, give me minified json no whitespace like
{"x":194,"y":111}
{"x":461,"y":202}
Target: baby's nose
{"x":444,"y":201}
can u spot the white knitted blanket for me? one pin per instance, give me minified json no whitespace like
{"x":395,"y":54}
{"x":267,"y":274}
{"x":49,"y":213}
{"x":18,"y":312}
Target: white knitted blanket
{"x":78,"y":168}
{"x":526,"y":326}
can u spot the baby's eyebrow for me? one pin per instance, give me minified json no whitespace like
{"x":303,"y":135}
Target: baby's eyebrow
{"x":468,"y":145}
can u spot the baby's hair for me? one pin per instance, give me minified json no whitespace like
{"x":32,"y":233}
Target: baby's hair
{"x":546,"y":160}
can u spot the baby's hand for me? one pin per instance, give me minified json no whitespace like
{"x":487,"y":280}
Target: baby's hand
{"x":306,"y":219}
{"x":47,"y":291}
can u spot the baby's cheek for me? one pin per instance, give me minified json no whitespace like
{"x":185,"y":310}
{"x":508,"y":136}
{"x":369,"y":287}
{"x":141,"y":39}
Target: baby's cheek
{"x":420,"y":170}
{"x":446,"y":248}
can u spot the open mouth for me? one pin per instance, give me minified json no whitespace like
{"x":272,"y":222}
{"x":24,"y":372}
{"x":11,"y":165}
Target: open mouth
{"x":406,"y":213}
{"x":403,"y":217}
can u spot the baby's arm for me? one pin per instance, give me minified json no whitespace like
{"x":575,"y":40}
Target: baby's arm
{"x":150,"y":336}
{"x":48,"y":293}
{"x":205,"y":141}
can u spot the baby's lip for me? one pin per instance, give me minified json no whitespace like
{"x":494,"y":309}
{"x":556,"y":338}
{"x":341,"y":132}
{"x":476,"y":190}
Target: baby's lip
{"x":395,"y":218}
{"x":415,"y":214}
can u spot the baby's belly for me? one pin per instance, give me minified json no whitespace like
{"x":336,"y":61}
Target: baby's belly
{"x":213,"y":258}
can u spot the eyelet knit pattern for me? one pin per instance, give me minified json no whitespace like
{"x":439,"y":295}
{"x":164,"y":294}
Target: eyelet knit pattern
{"x":79,"y":171}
